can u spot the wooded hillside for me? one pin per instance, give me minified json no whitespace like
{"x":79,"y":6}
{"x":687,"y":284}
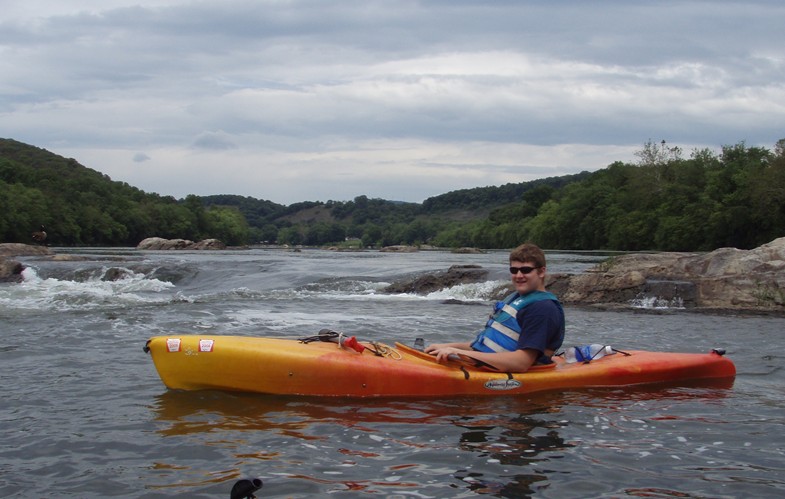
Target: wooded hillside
{"x":80,"y":206}
{"x":662,"y":202}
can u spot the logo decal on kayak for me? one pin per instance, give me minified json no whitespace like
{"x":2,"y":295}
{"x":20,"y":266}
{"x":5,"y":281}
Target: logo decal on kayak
{"x":173,"y":344}
{"x":502,"y":384}
{"x":206,"y":345}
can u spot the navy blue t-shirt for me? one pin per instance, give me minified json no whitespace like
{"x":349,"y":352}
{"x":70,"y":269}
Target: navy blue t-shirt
{"x":542,"y":326}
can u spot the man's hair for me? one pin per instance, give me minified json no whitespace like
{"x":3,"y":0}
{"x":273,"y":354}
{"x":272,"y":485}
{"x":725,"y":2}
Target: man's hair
{"x":528,"y":252}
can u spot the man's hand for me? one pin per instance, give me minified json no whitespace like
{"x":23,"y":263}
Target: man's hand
{"x":442,"y":351}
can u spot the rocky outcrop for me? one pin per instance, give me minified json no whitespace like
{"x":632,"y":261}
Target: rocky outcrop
{"x":208,"y":244}
{"x":467,"y":251}
{"x":116,"y":274}
{"x":11,"y":270}
{"x":728,"y":279}
{"x":400,"y":248}
{"x":428,"y":283}
{"x":19,"y":249}
{"x":159,"y":243}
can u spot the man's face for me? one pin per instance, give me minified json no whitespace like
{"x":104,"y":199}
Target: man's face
{"x":528,"y":277}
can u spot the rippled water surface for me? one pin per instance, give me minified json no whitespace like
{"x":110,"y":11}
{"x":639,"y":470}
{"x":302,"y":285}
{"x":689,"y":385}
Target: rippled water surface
{"x":84,"y":414}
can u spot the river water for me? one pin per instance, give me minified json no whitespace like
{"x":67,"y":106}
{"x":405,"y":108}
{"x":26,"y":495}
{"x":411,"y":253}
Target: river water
{"x":84,"y":414}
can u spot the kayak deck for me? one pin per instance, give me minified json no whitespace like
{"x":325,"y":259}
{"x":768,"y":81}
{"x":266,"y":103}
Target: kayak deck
{"x":290,"y":367}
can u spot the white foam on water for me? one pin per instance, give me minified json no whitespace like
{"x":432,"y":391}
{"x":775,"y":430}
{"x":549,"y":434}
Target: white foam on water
{"x":479,"y":291}
{"x":371,"y":290}
{"x":657,"y":303}
{"x":36,"y":293}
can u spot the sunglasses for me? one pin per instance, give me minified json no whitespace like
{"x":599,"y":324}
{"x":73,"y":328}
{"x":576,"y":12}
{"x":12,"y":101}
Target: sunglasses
{"x":525,"y":270}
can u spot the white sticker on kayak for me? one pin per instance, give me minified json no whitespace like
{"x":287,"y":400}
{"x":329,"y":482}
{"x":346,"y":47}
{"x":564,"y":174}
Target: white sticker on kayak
{"x":206,"y":345}
{"x":173,"y":344}
{"x":502,"y":384}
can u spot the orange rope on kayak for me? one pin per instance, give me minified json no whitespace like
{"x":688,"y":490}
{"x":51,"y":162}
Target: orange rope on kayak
{"x":383,"y":350}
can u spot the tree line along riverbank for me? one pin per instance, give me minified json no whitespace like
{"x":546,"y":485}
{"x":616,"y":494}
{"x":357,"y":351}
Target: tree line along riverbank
{"x":666,"y":201}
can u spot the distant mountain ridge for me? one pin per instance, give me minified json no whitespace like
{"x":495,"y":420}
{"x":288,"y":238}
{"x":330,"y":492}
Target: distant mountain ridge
{"x":462,"y":204}
{"x":82,"y":206}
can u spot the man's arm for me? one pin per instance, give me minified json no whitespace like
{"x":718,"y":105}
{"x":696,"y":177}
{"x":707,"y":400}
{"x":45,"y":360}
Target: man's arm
{"x":518,"y":361}
{"x":438,"y":346}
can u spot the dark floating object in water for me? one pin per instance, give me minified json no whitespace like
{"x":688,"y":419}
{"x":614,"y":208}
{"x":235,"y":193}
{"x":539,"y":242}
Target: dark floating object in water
{"x":39,"y":236}
{"x":244,"y":489}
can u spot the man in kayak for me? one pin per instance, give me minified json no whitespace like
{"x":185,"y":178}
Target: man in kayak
{"x":526,"y":328}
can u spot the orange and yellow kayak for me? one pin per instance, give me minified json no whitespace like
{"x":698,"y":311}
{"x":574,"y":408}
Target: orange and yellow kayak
{"x":292,"y":367}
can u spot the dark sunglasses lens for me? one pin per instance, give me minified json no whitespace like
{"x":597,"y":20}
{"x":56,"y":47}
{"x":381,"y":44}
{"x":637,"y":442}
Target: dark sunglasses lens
{"x":525,"y":270}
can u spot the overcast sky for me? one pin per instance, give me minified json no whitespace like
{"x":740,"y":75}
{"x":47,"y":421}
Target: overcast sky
{"x":307,"y":100}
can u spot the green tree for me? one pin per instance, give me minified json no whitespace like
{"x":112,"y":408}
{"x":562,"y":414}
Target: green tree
{"x":372,"y":235}
{"x":767,"y":196}
{"x":269,"y":233}
{"x":194,"y":204}
{"x":227,"y":225}
{"x":290,"y":236}
{"x":22,"y":211}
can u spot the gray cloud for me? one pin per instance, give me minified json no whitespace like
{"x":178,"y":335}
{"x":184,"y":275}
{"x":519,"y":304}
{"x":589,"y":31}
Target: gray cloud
{"x":218,"y":141}
{"x":277,"y":93}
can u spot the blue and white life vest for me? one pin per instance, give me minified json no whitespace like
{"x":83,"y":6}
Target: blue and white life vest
{"x":502,"y":330}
